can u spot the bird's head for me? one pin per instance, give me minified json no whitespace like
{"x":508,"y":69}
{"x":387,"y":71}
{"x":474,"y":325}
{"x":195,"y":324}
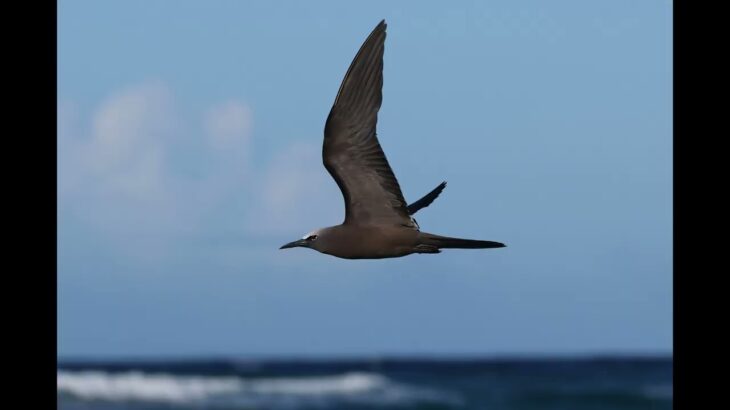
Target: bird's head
{"x":308,"y":241}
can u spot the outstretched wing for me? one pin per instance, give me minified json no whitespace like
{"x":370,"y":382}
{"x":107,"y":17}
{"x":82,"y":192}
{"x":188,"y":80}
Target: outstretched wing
{"x":427,"y":199}
{"x":351,"y":151}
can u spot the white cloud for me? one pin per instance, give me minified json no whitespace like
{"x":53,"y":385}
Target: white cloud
{"x":291,"y":177}
{"x":229,"y":125}
{"x":131,"y":126}
{"x":123,"y":153}
{"x":125,"y":172}
{"x":296,"y":192}
{"x":118,"y":162}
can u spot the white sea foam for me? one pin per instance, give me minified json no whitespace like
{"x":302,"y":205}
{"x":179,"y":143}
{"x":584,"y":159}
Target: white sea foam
{"x":334,"y":390}
{"x":92,"y":385}
{"x":349,"y":383}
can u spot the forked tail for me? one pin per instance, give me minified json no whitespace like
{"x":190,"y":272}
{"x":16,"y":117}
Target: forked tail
{"x":447,"y":242}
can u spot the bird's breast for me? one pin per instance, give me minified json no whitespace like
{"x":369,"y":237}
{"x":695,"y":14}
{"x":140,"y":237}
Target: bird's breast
{"x":371,"y":242}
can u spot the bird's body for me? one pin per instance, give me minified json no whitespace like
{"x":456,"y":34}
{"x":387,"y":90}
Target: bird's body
{"x":378,"y":222}
{"x":367,"y":241}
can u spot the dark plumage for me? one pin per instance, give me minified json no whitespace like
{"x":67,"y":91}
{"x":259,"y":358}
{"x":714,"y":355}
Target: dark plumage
{"x":378,"y":222}
{"x":427,"y":199}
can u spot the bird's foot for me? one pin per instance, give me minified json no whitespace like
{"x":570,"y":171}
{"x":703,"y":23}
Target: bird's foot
{"x":423,"y":248}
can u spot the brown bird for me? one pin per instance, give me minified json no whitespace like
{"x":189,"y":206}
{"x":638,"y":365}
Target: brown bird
{"x":378,"y":223}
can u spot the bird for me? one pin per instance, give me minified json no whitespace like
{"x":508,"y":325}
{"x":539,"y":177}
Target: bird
{"x":378,"y":223}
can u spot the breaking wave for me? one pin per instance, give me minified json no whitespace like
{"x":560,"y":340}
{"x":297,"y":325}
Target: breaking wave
{"x":349,"y":388}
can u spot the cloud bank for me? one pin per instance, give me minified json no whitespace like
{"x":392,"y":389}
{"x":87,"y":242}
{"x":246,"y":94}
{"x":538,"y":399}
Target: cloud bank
{"x":136,"y":169}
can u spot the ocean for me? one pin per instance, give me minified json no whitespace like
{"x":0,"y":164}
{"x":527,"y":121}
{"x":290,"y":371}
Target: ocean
{"x":493,"y":384}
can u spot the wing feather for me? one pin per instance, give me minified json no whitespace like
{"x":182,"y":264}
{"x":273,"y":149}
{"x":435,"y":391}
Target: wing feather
{"x":352,"y":152}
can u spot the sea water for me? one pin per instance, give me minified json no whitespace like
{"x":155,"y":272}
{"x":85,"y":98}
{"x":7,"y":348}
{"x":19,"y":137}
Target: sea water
{"x":494,"y":384}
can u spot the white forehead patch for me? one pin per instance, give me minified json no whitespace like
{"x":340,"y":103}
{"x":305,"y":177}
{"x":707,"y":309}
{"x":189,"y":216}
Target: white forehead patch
{"x":310,"y":234}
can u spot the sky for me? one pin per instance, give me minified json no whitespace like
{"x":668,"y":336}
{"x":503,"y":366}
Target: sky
{"x":189,"y":150}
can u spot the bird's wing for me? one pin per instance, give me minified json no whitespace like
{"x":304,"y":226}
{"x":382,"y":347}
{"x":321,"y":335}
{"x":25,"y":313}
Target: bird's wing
{"x":351,"y":151}
{"x":427,"y":199}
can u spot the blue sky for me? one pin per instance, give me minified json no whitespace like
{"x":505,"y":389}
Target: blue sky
{"x":190,"y":138}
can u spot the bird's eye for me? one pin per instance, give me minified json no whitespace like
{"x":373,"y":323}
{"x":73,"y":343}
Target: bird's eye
{"x":312,"y":237}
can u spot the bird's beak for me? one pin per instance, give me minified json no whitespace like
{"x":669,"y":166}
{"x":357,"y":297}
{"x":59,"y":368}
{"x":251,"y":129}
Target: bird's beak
{"x":294,"y":244}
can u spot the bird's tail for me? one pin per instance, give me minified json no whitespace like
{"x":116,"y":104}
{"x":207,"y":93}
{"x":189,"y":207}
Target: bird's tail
{"x":447,"y":242}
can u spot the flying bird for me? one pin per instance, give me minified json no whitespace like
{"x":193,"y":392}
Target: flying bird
{"x":378,"y":223}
